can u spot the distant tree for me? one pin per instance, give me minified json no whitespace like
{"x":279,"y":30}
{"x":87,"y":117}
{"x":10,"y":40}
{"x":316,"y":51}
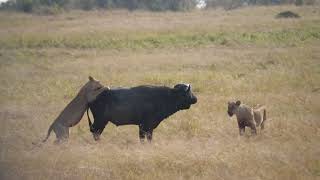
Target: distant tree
{"x":8,"y":5}
{"x":60,"y":3}
{"x":153,"y":5}
{"x":252,"y":2}
{"x":298,"y":2}
{"x":86,"y":4}
{"x":102,"y":3}
{"x":311,"y":2}
{"x":25,"y":5}
{"x":132,"y":5}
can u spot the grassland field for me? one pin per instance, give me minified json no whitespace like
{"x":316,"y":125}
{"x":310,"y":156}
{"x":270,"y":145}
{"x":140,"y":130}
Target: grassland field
{"x":244,"y":54}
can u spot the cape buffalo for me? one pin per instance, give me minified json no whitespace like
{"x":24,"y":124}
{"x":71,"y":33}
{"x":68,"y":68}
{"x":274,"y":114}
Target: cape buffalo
{"x":145,"y":106}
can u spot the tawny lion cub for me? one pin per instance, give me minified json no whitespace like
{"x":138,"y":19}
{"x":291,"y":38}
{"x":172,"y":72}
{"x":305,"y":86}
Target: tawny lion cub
{"x":247,"y":116}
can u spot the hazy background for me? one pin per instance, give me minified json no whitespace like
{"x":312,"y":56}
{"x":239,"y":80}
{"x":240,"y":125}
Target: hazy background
{"x":226,"y":53}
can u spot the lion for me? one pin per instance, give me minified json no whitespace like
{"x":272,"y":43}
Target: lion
{"x":247,"y":116}
{"x":73,"y":112}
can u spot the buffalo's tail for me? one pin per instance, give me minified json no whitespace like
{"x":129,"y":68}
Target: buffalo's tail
{"x":89,"y":120}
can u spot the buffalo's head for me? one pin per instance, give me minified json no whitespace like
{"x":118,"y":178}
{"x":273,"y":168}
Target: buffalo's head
{"x":95,"y":128}
{"x":232,"y":107}
{"x":184,"y":96}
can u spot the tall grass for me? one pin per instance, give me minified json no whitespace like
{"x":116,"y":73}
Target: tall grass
{"x":103,"y":40}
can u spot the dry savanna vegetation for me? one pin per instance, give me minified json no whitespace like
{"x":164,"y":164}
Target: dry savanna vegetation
{"x":244,"y":54}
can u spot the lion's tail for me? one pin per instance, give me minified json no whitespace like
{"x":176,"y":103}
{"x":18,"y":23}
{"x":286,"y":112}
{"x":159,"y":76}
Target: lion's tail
{"x":49,"y":131}
{"x":264,"y":118}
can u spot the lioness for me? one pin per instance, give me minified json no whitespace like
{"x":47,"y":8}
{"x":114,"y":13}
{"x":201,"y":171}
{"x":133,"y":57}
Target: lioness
{"x":247,"y":116}
{"x":72,"y":114}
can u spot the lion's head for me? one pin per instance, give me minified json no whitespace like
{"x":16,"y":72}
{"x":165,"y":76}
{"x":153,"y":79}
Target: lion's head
{"x":93,"y":84}
{"x":91,"y":89}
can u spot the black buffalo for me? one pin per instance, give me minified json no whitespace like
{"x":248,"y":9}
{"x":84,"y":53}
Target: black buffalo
{"x":145,"y":106}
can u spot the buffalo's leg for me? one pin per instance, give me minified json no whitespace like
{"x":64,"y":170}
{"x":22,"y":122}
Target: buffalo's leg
{"x":262,"y":125}
{"x":142,"y":134}
{"x":241,"y":131}
{"x":149,"y":135}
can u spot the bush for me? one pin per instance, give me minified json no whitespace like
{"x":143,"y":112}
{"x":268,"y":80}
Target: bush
{"x":287,"y":14}
{"x":47,"y":10}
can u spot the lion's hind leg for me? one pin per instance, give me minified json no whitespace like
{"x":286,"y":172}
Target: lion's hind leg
{"x":62,"y":133}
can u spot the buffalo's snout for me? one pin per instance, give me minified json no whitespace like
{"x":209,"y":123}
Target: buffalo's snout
{"x":95,"y":133}
{"x":194,"y":100}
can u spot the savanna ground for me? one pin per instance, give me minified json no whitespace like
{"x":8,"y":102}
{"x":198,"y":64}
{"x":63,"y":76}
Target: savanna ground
{"x":243,"y":54}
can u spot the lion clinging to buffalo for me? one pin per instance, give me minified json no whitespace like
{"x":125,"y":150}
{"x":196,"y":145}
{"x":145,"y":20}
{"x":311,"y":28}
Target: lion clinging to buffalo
{"x":73,"y":112}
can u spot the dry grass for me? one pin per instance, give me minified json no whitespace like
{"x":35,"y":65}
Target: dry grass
{"x":201,"y":143}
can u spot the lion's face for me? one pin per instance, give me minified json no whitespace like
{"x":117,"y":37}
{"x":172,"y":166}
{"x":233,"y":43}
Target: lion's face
{"x":93,"y":84}
{"x":232,"y":107}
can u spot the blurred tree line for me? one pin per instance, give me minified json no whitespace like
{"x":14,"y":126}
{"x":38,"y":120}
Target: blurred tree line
{"x":231,"y":4}
{"x":153,"y":5}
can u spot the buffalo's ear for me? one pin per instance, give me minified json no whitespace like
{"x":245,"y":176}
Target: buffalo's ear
{"x":175,"y":90}
{"x":238,"y":103}
{"x":176,"y":87}
{"x":91,"y":78}
{"x":182,"y":88}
